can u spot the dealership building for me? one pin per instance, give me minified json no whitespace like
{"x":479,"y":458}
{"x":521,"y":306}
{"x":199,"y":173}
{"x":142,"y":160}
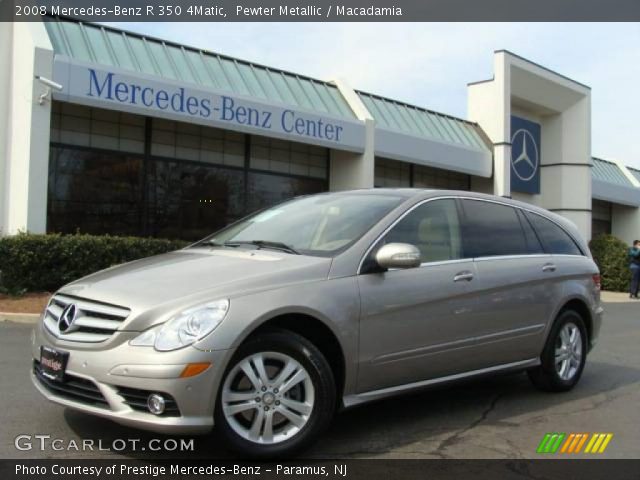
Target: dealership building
{"x":107,"y":131}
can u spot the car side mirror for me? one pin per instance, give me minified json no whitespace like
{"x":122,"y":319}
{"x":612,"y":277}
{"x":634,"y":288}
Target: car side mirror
{"x":398,"y":255}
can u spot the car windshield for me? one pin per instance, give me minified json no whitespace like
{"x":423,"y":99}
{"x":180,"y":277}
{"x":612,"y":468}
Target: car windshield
{"x":319,"y":225}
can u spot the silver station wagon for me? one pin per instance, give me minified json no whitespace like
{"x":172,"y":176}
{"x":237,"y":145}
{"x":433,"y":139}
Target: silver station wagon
{"x":269,"y":326}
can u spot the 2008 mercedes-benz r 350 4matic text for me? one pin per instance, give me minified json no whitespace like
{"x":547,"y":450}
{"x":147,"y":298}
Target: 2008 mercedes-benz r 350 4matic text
{"x":269,"y":326}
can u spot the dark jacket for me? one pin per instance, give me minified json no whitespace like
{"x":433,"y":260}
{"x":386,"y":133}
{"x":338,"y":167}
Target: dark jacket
{"x":634,"y":255}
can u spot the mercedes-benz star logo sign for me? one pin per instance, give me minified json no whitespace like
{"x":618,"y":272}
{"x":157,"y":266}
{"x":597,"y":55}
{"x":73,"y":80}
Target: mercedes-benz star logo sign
{"x":67,"y":317}
{"x":524,"y":155}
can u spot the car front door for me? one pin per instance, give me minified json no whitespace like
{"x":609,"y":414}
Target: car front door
{"x":413,"y":319}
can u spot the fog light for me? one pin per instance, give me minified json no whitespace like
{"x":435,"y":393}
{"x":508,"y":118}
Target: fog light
{"x":155,"y":404}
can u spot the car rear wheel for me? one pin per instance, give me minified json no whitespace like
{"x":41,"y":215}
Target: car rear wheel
{"x":277,"y":395}
{"x":564,"y":355}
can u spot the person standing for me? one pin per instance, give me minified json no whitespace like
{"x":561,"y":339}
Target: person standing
{"x":634,"y":258}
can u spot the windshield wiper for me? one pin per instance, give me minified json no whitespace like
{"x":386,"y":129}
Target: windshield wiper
{"x":210,"y":243}
{"x":264,"y":244}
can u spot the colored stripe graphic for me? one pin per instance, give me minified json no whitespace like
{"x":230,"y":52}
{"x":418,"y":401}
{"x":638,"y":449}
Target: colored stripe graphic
{"x":550,"y":443}
{"x":543,"y":443}
{"x":598,"y":443}
{"x":581,"y":442}
{"x":573,"y":443}
{"x":557,"y":443}
{"x":570,"y":438}
{"x":605,"y":443}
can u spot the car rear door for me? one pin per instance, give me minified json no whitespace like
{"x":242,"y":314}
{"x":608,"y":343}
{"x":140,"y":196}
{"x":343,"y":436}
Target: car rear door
{"x":514,"y":300}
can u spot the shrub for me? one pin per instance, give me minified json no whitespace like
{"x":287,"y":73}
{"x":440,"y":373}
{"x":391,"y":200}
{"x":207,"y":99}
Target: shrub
{"x":38,"y":263}
{"x":610,"y":254}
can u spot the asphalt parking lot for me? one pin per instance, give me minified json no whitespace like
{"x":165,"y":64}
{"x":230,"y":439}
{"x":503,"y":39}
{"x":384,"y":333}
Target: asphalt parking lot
{"x":502,"y":417}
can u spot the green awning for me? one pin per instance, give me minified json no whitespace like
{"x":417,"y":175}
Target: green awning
{"x":607,"y":171}
{"x":107,"y":46}
{"x":419,"y":122}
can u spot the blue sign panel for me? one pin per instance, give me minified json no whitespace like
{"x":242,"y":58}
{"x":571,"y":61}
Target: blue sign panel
{"x":525,"y":155}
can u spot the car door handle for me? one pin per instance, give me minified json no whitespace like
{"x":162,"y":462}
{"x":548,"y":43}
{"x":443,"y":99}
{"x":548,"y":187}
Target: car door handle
{"x":462,"y":276}
{"x":549,"y":267}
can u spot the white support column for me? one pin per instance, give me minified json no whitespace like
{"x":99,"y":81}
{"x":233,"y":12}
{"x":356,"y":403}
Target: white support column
{"x":489,"y":104}
{"x":27,"y":124}
{"x":6,"y":58}
{"x":625,"y":223}
{"x":354,"y":170}
{"x":502,"y":148}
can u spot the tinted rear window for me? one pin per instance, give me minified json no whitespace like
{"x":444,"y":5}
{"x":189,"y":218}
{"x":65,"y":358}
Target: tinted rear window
{"x":554,"y":239}
{"x":533,"y":242}
{"x":492,"y":229}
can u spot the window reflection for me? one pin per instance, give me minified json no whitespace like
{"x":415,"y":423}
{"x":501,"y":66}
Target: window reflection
{"x":190,"y":201}
{"x":111,"y":192}
{"x":266,"y":189}
{"x":94,"y":192}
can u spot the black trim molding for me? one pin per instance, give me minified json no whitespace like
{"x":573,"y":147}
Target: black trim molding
{"x":566,"y":164}
{"x":569,"y":210}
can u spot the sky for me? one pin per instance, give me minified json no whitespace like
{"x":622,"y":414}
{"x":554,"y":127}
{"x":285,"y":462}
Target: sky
{"x":430,"y":64}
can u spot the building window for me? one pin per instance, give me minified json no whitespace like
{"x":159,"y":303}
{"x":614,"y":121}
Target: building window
{"x":94,"y":192}
{"x":280,"y":156}
{"x":392,"y":174}
{"x":600,"y":218}
{"x":97,"y":128}
{"x":186,"y":141}
{"x":429,"y":177}
{"x":186,"y":182}
{"x":265,"y":189}
{"x":396,"y":174}
{"x":191,"y":200}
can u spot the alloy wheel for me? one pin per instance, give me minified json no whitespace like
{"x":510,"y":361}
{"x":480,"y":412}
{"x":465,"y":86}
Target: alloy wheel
{"x":268,"y":397}
{"x":568,"y":351}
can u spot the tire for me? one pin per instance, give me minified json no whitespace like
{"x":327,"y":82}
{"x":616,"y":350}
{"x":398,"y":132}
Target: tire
{"x":562,"y":373}
{"x":297,"y":415}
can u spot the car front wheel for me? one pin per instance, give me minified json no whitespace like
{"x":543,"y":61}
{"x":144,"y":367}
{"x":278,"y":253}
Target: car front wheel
{"x":277,"y":395}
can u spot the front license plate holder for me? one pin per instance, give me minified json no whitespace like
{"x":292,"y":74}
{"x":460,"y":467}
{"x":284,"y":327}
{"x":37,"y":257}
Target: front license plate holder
{"x":53,"y":363}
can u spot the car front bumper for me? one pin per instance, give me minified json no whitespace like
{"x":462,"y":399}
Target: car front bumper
{"x":96,"y":379}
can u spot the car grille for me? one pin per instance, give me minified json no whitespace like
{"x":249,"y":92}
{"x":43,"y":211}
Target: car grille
{"x":73,"y":388}
{"x":137,"y":400}
{"x":95,"y":321}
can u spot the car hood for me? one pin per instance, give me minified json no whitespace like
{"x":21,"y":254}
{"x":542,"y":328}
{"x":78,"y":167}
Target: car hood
{"x":196,"y":274}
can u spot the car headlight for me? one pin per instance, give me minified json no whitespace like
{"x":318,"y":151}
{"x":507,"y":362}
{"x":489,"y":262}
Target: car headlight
{"x":185,"y":328}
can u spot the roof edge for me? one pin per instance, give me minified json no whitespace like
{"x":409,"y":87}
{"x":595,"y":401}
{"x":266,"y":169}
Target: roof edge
{"x":547,"y":69}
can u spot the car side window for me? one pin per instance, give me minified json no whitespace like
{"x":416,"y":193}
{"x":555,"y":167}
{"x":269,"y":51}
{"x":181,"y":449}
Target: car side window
{"x":492,"y":229}
{"x":533,"y":242}
{"x":554,"y":239}
{"x":434,"y":228}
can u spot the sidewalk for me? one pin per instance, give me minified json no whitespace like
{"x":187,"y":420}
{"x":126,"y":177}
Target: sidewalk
{"x":19,"y":317}
{"x":617,"y":297}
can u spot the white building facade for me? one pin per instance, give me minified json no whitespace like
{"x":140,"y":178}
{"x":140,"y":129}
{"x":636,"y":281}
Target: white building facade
{"x":150,"y":138}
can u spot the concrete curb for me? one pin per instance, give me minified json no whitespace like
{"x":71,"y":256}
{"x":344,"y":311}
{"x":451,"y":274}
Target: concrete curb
{"x":19,"y":317}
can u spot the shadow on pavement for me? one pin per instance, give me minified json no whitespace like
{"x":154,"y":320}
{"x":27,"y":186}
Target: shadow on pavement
{"x":389,"y":424}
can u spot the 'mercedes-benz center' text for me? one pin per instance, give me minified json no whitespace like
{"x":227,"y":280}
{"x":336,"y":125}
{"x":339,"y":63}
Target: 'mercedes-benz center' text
{"x":108,"y":86}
